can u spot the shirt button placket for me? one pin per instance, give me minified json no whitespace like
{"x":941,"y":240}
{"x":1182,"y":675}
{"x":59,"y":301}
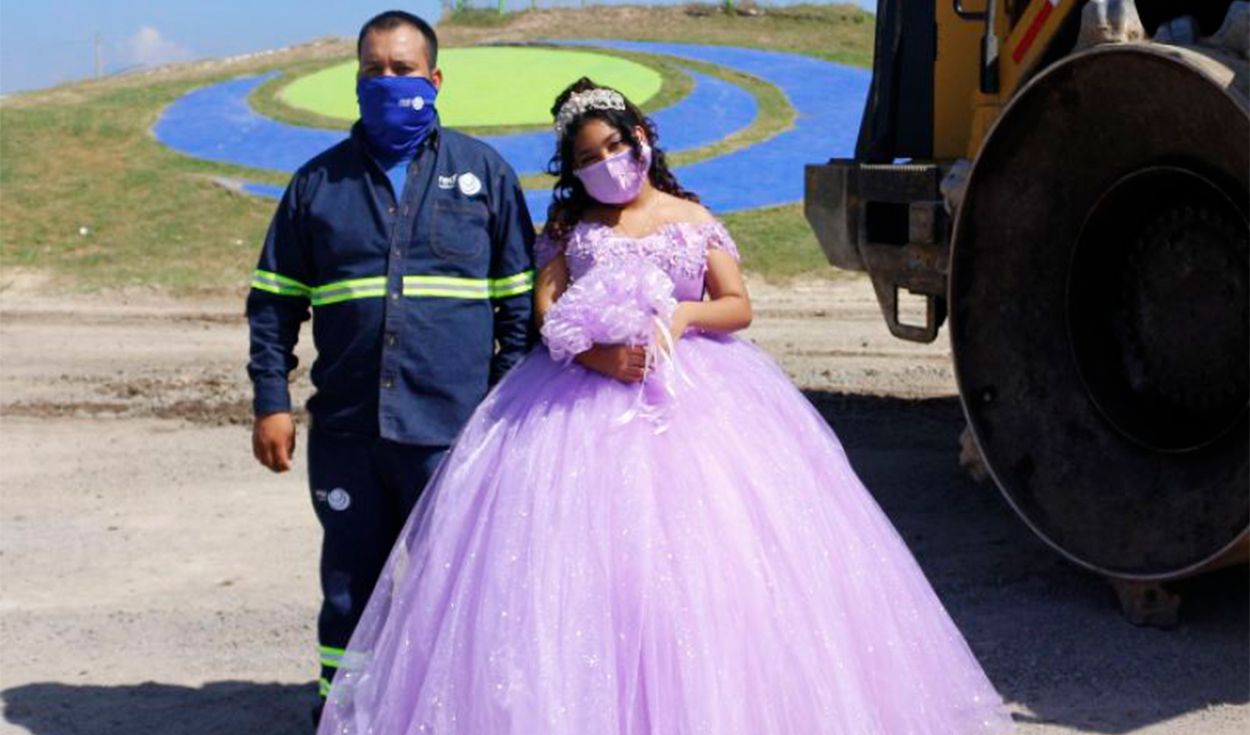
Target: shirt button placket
{"x":394,"y":311}
{"x":402,"y":213}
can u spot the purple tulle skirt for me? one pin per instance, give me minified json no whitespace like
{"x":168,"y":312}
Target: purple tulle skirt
{"x":692,"y":556}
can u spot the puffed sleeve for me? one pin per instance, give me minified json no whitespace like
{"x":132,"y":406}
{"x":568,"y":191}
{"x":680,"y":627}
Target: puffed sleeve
{"x":546,"y":250}
{"x":718,"y":238}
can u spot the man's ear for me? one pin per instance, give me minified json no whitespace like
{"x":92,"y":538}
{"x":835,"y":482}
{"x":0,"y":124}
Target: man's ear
{"x":436,"y":78}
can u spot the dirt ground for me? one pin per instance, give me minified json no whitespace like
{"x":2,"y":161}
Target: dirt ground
{"x":156,"y":580}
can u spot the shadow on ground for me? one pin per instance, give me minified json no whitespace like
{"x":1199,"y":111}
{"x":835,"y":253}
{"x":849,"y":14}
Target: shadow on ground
{"x":217,"y":708}
{"x":1049,"y":635}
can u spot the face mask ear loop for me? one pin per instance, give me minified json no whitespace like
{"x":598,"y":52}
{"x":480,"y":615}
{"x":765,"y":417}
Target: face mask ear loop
{"x":645,"y":159}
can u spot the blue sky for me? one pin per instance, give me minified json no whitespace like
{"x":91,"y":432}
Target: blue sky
{"x":52,"y":41}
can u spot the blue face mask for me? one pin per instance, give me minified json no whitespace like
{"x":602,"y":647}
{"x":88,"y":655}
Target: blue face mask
{"x":397,"y":113}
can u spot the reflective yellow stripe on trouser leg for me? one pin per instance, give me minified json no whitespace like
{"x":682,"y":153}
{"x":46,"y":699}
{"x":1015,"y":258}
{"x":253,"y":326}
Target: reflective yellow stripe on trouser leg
{"x":331,"y":657}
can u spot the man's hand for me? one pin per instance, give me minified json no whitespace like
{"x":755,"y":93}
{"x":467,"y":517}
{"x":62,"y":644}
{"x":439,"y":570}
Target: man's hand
{"x":622,"y":362}
{"x":273,"y":440}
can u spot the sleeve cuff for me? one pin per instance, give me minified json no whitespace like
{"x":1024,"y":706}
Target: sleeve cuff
{"x":271,"y":397}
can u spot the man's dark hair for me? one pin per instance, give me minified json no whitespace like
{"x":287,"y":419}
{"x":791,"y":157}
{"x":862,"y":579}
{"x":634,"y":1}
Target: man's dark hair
{"x":392,"y":19}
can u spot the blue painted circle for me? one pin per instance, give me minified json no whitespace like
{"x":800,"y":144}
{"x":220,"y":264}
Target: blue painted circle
{"x":216,"y":123}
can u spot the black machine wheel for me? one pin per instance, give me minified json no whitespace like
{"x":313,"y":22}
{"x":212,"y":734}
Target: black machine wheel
{"x":1100,"y":310}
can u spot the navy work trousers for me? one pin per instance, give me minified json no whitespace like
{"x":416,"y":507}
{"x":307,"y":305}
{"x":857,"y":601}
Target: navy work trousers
{"x":363,"y":489}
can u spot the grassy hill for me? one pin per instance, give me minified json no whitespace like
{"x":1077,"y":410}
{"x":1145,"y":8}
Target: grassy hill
{"x":89,"y":197}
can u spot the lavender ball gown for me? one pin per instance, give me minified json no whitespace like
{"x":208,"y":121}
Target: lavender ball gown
{"x":707,"y":564}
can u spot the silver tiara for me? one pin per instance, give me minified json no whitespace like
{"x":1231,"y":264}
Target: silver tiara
{"x":579,"y":103}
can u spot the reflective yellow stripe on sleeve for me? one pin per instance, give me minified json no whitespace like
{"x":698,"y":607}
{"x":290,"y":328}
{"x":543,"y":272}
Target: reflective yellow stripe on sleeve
{"x":278,"y":284}
{"x":501,"y":288}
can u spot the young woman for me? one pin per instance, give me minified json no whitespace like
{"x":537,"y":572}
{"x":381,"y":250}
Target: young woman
{"x":646,"y":529}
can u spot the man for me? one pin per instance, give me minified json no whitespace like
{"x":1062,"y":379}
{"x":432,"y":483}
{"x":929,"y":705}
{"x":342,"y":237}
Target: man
{"x":413,"y":246}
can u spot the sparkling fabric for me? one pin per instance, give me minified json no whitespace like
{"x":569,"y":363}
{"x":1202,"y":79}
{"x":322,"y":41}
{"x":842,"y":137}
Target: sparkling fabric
{"x":567,"y":573}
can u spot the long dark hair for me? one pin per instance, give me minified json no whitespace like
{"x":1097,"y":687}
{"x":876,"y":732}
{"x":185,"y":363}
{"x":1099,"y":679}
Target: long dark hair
{"x":569,"y":197}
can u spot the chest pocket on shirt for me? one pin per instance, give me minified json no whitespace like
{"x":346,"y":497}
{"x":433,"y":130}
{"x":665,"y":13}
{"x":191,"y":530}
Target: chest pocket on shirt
{"x":460,"y":229}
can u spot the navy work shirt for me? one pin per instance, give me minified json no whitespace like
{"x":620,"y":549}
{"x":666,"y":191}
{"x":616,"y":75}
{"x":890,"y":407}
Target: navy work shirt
{"x":420,"y":303}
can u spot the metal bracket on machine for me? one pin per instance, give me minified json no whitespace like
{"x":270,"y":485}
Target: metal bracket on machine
{"x":891,"y":221}
{"x":935,"y":313}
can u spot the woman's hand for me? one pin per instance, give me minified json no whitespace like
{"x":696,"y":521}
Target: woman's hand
{"x":677,"y":327}
{"x":620,"y":362}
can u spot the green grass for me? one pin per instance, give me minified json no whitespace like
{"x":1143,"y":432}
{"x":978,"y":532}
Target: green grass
{"x":778,"y":244}
{"x":486,"y":17}
{"x":841,"y":33}
{"x":775,"y":115}
{"x":487,"y":86}
{"x":83,"y":155}
{"x":267,"y":99}
{"x":153,"y":217}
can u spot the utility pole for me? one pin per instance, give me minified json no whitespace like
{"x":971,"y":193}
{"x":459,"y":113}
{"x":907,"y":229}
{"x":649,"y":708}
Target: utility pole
{"x":99,"y":58}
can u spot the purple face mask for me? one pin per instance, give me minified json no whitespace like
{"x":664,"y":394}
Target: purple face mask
{"x":618,"y":179}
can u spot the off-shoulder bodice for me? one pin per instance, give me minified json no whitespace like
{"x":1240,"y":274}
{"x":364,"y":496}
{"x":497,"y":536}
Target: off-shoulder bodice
{"x":679,"y":248}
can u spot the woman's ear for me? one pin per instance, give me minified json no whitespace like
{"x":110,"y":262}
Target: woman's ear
{"x":641,"y":135}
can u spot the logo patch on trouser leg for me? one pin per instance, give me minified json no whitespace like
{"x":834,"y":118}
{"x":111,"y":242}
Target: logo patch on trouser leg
{"x":337,"y":499}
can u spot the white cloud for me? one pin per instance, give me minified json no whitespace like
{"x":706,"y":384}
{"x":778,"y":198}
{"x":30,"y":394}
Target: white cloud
{"x":149,"y":48}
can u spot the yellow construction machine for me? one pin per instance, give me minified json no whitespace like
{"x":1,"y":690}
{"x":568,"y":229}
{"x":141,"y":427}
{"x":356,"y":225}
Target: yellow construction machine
{"x":1069,"y":181}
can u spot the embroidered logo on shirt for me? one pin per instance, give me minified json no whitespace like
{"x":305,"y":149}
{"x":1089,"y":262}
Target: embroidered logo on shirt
{"x":447,"y":182}
{"x":469,"y":184}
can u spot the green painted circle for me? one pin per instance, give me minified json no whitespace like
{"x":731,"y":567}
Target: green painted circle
{"x":486,"y":86}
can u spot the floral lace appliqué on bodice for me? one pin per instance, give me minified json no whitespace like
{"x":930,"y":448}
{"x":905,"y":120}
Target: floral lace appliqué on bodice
{"x":678,"y":248}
